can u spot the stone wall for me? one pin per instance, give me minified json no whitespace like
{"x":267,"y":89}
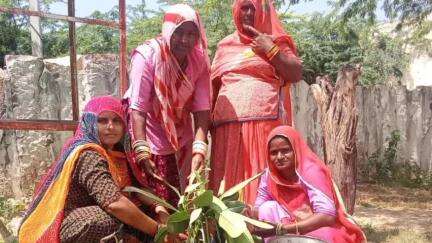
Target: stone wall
{"x":381,"y":110}
{"x":40,"y":89}
{"x":32,"y":88}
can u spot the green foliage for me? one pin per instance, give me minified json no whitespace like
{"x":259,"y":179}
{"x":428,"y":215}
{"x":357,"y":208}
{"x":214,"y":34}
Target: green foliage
{"x":198,"y":209}
{"x":384,"y":58}
{"x":381,"y":167}
{"x":143,"y":29}
{"x":409,"y":13}
{"x":325,"y":43}
{"x":10,"y":208}
{"x":13,"y":38}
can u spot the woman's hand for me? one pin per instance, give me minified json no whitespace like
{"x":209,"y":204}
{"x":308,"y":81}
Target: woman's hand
{"x":251,"y":211}
{"x":175,"y":238}
{"x":150,"y":169}
{"x":161,"y":214}
{"x":197,"y":162}
{"x":262,"y":43}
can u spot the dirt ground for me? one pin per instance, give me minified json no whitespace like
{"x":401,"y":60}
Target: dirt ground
{"x":394,"y":214}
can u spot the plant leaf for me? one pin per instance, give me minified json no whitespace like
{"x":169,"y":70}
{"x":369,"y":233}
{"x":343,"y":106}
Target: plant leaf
{"x":239,"y":186}
{"x":244,"y":238}
{"x":233,"y":197}
{"x":204,"y":199}
{"x":232,"y":224}
{"x":235,"y":206}
{"x":160,"y":236}
{"x":178,"y":222}
{"x":150,"y":196}
{"x":192,"y":187}
{"x":194,"y":215}
{"x":217,"y":205}
{"x":257,"y":223}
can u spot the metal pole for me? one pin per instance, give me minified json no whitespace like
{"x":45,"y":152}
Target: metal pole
{"x":110,"y":24}
{"x":35,"y":30}
{"x":123,"y":49}
{"x":73,"y":69}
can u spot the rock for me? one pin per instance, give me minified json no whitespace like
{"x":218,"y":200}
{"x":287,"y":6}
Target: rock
{"x":98,"y":75}
{"x":41,"y":89}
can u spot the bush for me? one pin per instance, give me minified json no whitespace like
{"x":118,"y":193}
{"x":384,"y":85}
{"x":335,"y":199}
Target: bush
{"x":381,"y":167}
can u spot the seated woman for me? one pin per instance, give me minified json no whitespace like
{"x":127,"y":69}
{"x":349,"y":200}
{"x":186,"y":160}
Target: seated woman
{"x":80,"y":198}
{"x":297,"y":192}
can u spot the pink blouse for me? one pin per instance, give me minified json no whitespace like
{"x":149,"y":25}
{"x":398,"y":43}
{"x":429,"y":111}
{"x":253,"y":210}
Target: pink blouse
{"x":319,"y":201}
{"x":141,"y":94}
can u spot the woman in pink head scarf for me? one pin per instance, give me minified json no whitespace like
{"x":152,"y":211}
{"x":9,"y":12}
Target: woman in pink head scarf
{"x":170,"y":81}
{"x":297,"y":192}
{"x":251,"y":76}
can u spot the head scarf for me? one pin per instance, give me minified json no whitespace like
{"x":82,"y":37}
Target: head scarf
{"x":266,"y":21}
{"x":313,"y":171}
{"x":85,"y":134}
{"x":172,"y":87}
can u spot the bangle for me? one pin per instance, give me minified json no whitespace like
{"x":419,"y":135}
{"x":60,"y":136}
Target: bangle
{"x":279,"y":230}
{"x":199,"y":147}
{"x":272,"y":49}
{"x":273,"y":54}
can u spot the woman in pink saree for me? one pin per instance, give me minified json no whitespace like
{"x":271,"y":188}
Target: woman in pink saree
{"x":251,"y":77}
{"x":170,"y":81}
{"x":297,"y":192}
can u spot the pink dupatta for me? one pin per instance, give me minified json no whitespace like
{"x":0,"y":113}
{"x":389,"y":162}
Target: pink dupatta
{"x":172,"y":87}
{"x":314,"y":172}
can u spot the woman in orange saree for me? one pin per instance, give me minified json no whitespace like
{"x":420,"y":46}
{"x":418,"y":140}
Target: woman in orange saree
{"x":80,"y":198}
{"x":251,"y":77}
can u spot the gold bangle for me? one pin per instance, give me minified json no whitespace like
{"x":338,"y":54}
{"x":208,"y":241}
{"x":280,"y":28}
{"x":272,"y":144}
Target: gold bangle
{"x":274,"y":54}
{"x":140,"y":142}
{"x":274,"y":49}
{"x":271,"y":50}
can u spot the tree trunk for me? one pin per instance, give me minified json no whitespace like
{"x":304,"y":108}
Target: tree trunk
{"x":338,"y":117}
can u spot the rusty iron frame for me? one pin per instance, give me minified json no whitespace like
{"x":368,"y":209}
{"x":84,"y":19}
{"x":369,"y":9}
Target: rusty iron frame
{"x":70,"y":125}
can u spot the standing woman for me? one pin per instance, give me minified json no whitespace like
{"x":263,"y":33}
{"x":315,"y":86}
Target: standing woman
{"x":170,"y":81}
{"x":251,"y":77}
{"x":80,"y":198}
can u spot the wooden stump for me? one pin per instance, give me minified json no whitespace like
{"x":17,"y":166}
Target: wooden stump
{"x":338,"y":117}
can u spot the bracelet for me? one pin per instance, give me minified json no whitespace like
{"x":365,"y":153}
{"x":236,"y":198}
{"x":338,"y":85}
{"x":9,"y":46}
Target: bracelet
{"x":279,"y":230}
{"x":272,"y":49}
{"x":140,"y":142}
{"x":297,"y":230}
{"x":142,"y":149}
{"x":143,"y":156}
{"x":273,"y":54}
{"x":199,"y":147}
